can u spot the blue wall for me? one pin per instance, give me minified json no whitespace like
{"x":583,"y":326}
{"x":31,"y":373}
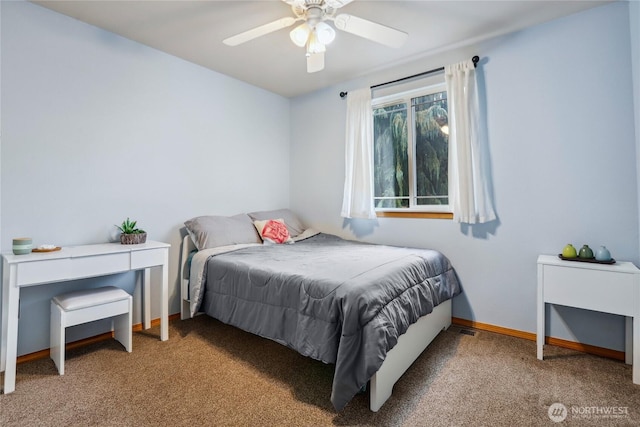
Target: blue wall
{"x":97,"y":128}
{"x":559,"y":102}
{"x":559,"y":105}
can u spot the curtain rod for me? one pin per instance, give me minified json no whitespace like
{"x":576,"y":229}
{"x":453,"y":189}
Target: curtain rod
{"x":475,"y":60}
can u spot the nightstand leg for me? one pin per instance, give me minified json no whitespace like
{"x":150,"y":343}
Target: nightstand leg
{"x":628,"y":340}
{"x":636,"y":350}
{"x":540,"y":332}
{"x":541,"y":314}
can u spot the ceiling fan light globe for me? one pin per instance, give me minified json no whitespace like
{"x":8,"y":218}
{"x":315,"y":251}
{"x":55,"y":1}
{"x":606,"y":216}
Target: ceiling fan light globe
{"x":300,"y":34}
{"x":325,"y":33}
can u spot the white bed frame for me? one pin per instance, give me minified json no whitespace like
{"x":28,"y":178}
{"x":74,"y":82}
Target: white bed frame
{"x":410,"y":345}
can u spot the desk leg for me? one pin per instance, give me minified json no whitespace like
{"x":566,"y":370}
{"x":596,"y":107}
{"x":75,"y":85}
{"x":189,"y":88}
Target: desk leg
{"x":541,"y":314}
{"x":636,"y":350}
{"x":164,"y":300}
{"x":146,"y":298}
{"x":4,"y":292}
{"x":10,"y":310}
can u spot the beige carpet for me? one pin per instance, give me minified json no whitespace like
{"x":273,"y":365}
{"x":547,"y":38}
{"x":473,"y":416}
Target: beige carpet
{"x":210,"y":374}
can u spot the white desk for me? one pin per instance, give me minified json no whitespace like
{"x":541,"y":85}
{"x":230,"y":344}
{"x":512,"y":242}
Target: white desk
{"x":609,"y":288}
{"x":70,"y":263}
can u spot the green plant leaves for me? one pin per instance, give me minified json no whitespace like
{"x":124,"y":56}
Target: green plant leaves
{"x":129,"y":227}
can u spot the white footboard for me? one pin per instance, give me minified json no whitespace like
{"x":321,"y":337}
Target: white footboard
{"x":410,"y":345}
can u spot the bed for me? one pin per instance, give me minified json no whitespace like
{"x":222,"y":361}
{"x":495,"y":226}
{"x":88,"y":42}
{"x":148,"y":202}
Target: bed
{"x":369,"y":309}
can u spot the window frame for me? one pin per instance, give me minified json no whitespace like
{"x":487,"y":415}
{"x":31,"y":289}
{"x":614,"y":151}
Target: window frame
{"x":414,"y":210}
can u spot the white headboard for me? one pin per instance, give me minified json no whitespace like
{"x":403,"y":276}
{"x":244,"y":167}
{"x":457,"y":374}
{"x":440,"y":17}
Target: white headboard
{"x":187,"y":247}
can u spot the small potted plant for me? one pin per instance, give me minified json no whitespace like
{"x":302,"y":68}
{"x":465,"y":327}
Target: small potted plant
{"x":131,"y":235}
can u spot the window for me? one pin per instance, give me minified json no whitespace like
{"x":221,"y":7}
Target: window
{"x":411,"y":147}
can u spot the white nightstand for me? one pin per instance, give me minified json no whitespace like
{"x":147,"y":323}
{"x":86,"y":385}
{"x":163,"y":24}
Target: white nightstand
{"x":613,"y":288}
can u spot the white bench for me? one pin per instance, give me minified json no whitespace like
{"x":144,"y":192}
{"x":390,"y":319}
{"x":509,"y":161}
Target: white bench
{"x":88,"y":305}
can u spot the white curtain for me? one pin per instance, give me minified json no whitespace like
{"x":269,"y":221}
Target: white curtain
{"x":358,"y":181}
{"x":468,"y":186}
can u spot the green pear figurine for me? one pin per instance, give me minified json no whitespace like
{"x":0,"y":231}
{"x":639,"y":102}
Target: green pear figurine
{"x":585,"y":252}
{"x":569,"y":251}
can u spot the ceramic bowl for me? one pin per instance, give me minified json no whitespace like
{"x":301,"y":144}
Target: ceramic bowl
{"x":22,"y":245}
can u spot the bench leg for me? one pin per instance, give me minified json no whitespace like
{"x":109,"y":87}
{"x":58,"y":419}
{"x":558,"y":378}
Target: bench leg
{"x":57,"y":338}
{"x":122,"y":328}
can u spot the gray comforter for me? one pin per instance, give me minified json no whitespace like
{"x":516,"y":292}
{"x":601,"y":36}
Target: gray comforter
{"x":334,"y":300}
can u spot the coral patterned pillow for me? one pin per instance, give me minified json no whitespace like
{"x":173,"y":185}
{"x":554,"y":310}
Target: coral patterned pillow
{"x":273,"y":231}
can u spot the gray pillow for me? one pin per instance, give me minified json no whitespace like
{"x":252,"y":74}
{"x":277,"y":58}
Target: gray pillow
{"x":292,"y":222}
{"x":213,"y":231}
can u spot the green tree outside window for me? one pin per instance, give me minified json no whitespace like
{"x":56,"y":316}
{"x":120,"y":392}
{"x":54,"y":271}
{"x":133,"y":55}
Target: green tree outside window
{"x":411,"y":174}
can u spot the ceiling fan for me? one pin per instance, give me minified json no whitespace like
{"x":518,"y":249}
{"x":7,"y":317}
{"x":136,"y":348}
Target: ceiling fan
{"x":314,"y":33}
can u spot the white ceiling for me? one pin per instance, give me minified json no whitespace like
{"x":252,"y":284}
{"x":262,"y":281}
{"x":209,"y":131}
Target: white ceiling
{"x":194,"y":30}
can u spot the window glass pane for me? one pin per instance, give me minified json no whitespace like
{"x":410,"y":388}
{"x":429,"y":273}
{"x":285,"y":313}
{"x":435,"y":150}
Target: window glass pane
{"x":432,"y":148}
{"x":391,"y":162}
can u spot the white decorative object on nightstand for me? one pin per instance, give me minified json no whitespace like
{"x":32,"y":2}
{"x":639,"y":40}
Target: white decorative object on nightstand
{"x":609,"y":288}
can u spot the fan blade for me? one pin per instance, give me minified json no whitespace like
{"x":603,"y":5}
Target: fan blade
{"x":335,"y":4}
{"x":259,"y":31}
{"x":370,"y":30}
{"x":294,"y":2}
{"x":315,"y":62}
